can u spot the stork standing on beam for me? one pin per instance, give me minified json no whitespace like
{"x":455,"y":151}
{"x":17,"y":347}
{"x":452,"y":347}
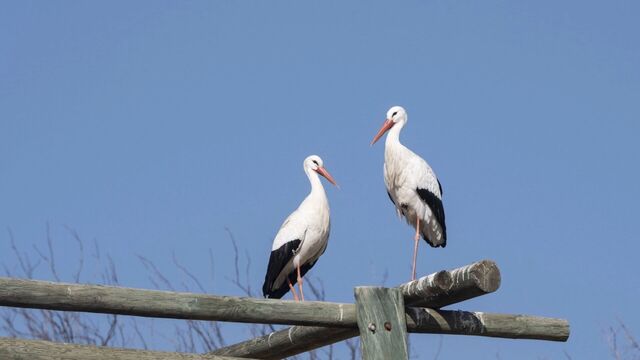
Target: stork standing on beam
{"x":412,"y":185}
{"x":302,"y":238}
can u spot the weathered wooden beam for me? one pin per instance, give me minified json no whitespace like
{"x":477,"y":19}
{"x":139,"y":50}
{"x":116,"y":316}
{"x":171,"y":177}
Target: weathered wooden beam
{"x":423,"y":320}
{"x":427,"y":288}
{"x":381,"y":323}
{"x":17,"y":349}
{"x":450,"y":287}
{"x":435,"y":290}
{"x":291,"y":341}
{"x":165,"y":304}
{"x":298,"y":339}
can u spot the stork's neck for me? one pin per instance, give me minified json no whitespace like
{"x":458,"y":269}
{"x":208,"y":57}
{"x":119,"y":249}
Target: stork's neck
{"x":393,"y":136}
{"x":316,"y":185}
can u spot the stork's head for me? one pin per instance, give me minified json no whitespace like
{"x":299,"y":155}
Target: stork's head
{"x":314,"y":163}
{"x":395,"y":115}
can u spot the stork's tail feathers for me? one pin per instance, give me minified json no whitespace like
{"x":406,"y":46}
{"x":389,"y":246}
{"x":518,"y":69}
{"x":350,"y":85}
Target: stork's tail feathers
{"x":442,"y":244}
{"x":438,"y":243}
{"x":277,"y":293}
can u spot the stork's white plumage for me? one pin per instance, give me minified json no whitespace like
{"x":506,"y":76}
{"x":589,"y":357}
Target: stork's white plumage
{"x":302,"y":238}
{"x":412,"y":185}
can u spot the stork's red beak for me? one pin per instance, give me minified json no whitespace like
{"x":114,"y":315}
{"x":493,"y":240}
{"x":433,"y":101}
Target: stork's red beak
{"x":388,"y":124}
{"x":322,"y":171}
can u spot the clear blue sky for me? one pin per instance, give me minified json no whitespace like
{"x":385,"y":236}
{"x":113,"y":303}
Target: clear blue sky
{"x":152,"y":126}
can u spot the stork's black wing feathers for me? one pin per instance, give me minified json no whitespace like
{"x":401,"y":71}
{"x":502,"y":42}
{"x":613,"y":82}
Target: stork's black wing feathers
{"x":435,"y":204}
{"x":277,"y":261}
{"x":440,"y":187}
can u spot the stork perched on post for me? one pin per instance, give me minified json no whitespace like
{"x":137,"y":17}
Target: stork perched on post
{"x":412,"y":185}
{"x":302,"y":238}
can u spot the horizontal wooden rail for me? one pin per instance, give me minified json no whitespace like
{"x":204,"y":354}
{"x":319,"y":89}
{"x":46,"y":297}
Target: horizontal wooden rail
{"x":16,"y":349}
{"x":298,"y":339}
{"x":174,"y":305}
{"x":454,"y":322}
{"x":435,"y":290}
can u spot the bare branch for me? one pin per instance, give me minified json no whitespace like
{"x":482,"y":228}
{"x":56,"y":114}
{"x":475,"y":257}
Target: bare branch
{"x":236,"y":265}
{"x":96,"y":250}
{"x":51,"y":261}
{"x":353,"y":345}
{"x":212,"y":265}
{"x":151,"y":267}
{"x":613,"y":343}
{"x":111,"y":273}
{"x":632,"y":340}
{"x":112,"y":330}
{"x":317,"y":290}
{"x":141,"y":338}
{"x":385,"y":277}
{"x":187,"y":272}
{"x":76,"y":237}
{"x":23,"y":259}
{"x":247,"y":275}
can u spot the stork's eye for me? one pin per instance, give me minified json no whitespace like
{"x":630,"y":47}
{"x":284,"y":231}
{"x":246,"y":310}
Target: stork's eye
{"x":394,"y":114}
{"x":315,"y":162}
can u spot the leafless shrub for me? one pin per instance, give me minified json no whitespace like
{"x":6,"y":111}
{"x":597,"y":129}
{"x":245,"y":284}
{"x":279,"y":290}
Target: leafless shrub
{"x":190,"y":335}
{"x":58,"y":325}
{"x":112,"y":330}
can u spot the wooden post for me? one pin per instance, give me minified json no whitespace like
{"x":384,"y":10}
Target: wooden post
{"x":16,"y":349}
{"x":381,"y":321}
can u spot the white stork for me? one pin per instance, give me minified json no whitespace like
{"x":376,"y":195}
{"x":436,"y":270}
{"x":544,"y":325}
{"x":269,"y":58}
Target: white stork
{"x":302,"y":238}
{"x":412,"y":185}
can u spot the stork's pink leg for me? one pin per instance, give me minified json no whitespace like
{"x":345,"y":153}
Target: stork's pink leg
{"x":300,"y":284}
{"x":415,"y":248}
{"x":293,"y":291}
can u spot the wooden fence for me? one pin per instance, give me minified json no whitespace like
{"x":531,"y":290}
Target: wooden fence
{"x":380,"y":316}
